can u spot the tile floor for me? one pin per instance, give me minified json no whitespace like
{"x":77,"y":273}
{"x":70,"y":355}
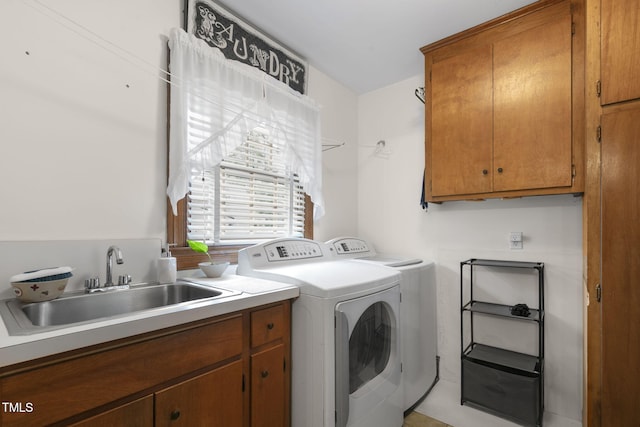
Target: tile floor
{"x":416,"y":419}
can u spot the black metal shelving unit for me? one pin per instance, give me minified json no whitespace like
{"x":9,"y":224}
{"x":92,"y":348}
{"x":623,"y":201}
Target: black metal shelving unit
{"x":503,"y":382}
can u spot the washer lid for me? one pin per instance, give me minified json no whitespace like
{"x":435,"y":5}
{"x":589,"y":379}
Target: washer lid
{"x":392,"y":262}
{"x":332,"y":278}
{"x":353,"y":247}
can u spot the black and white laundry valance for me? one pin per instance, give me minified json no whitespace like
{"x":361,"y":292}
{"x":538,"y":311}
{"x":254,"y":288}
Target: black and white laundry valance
{"x":239,"y":41}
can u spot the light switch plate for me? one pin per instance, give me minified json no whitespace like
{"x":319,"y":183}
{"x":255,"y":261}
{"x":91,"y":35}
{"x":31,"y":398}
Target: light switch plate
{"x":515,"y":240}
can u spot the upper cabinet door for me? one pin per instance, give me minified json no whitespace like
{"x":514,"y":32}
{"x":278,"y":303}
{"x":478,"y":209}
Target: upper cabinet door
{"x":461,"y":123}
{"x":620,"y":50}
{"x":504,"y":112}
{"x":532,"y":108}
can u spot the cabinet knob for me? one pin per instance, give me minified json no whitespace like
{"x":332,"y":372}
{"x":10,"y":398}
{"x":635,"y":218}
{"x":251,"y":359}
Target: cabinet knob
{"x":484,"y":171}
{"x":264,"y":374}
{"x":270,"y":325}
{"x":499,"y":170}
{"x":175,"y":415}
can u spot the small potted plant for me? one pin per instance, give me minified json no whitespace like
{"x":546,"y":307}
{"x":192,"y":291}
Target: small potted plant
{"x":209,"y":268}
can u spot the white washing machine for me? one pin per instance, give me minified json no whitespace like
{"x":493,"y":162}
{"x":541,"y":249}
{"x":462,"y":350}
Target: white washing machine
{"x":418,"y":324}
{"x":345,"y":366}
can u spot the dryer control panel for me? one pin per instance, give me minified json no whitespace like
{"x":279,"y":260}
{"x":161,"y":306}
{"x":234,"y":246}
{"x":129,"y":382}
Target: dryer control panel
{"x":292,"y":249}
{"x":278,"y":252}
{"x":350,"y":245}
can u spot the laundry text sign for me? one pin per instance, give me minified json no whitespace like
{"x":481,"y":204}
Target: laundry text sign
{"x":238,"y":41}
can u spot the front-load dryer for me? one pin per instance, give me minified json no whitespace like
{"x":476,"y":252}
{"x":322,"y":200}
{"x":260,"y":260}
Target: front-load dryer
{"x":418,"y":316}
{"x":345,"y":343}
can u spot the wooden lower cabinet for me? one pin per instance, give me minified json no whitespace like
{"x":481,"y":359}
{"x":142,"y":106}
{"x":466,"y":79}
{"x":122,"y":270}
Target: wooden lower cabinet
{"x":270,"y":361}
{"x":268,"y":388}
{"x":206,"y":373}
{"x":203,"y":400}
{"x":138,"y":413}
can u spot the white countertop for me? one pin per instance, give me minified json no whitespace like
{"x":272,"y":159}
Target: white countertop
{"x":254,"y":292}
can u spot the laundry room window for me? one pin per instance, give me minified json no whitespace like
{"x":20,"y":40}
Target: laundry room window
{"x":245,"y":155}
{"x":250,"y":196}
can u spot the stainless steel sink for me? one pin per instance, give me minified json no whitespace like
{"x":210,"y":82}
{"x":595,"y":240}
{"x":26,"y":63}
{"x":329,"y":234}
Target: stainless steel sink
{"x":25,"y":318}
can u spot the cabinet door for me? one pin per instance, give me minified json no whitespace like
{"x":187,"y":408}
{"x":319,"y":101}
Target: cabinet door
{"x":459,"y":149}
{"x":213,"y":399}
{"x":620,"y":266}
{"x":135,"y":414}
{"x":532,"y":108}
{"x":620,"y":46}
{"x":268,"y":388}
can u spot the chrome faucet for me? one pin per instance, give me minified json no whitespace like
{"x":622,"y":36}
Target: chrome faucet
{"x":119,"y":260}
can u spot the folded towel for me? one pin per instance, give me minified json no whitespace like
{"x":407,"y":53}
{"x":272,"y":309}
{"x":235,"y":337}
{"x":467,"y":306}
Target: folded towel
{"x":42,"y":275}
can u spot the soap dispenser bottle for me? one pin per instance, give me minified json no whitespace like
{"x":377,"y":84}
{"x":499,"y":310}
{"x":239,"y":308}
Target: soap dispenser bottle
{"x":167,"y":267}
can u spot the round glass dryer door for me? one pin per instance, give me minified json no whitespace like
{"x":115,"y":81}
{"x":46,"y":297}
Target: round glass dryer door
{"x":369,"y":345}
{"x":367,"y":353}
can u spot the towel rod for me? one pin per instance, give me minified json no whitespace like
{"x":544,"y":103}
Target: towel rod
{"x":333,"y":144}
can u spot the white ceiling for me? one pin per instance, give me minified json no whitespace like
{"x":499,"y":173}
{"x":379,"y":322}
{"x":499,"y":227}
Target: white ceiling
{"x":366,"y":45}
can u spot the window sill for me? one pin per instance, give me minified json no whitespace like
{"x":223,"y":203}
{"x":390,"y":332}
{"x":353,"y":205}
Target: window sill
{"x":187,"y":259}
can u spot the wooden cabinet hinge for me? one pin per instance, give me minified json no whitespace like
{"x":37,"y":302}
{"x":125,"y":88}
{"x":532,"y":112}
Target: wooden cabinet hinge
{"x":573,"y":28}
{"x":598,"y":292}
{"x":598,"y":88}
{"x":243,"y":386}
{"x":284,"y":365}
{"x":599,"y":133}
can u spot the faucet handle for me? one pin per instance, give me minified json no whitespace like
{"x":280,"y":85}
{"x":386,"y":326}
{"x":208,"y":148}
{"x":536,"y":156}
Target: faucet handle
{"x":92,"y":283}
{"x":124,"y":279}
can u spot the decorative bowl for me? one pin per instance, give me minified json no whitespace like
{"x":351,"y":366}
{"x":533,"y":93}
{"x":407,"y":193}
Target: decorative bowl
{"x":40,"y":285}
{"x":39,"y":291}
{"x":213,"y":270}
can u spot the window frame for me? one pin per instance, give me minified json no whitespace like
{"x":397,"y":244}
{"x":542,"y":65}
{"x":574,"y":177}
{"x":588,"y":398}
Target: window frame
{"x":187,"y":259}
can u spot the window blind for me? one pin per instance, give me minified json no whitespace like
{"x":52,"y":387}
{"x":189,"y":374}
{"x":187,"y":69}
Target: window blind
{"x":250,"y":196}
{"x":216,"y":103}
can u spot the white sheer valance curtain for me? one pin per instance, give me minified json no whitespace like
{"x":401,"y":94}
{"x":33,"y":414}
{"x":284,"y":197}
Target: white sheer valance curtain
{"x":216,"y":102}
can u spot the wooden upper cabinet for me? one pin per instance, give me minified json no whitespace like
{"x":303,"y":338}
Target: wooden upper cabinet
{"x":461,"y":105}
{"x":503,"y":115}
{"x":532,"y":108}
{"x":620,"y":64}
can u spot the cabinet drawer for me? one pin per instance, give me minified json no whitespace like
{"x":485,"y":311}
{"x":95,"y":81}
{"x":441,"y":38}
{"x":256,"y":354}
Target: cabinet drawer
{"x":515,"y":396}
{"x":138,"y":413}
{"x":267,"y":325}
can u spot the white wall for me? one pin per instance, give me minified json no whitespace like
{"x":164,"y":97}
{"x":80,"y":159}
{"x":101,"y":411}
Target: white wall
{"x":83,"y":136}
{"x":389,"y":215}
{"x":339,"y":110}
